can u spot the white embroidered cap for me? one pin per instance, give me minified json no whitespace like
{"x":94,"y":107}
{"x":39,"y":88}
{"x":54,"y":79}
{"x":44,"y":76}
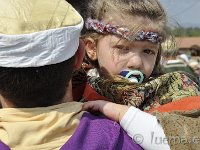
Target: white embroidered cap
{"x":35,"y":33}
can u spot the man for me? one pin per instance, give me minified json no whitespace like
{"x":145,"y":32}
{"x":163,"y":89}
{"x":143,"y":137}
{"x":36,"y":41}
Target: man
{"x":38,"y":51}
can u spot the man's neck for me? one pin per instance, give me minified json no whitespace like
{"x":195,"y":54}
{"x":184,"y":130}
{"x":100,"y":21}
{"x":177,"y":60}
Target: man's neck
{"x":5,"y":103}
{"x":68,"y":95}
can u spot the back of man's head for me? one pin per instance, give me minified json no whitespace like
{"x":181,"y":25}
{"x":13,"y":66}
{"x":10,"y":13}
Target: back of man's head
{"x":38,"y":39}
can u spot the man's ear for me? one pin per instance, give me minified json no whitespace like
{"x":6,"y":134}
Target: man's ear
{"x":90,"y":48}
{"x":80,"y":53}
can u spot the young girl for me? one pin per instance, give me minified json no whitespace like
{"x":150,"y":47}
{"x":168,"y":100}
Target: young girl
{"x":123,"y":42}
{"x":126,"y":36}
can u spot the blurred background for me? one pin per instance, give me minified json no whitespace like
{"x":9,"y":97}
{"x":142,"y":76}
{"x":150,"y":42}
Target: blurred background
{"x":185,"y":12}
{"x":182,"y":50}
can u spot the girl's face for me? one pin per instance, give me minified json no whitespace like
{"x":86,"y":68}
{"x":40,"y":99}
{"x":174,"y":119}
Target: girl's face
{"x":115,"y":54}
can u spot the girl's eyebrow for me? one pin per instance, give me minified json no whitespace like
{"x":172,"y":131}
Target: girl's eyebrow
{"x":117,"y":41}
{"x":145,"y":44}
{"x":153,"y":45}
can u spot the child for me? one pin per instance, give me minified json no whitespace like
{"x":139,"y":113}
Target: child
{"x":115,"y":43}
{"x":125,"y":37}
{"x":113,"y":52}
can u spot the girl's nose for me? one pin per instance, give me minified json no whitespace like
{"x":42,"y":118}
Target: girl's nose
{"x":135,"y":62}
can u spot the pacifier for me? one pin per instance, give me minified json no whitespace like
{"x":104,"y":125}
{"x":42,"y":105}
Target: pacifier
{"x":134,"y":76}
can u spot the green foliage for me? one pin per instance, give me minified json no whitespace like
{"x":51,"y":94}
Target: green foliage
{"x":186,"y":32}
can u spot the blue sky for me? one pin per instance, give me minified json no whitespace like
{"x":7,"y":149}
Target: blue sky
{"x":184,"y":12}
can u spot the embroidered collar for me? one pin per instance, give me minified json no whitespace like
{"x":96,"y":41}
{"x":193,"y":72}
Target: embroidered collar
{"x":100,"y":27}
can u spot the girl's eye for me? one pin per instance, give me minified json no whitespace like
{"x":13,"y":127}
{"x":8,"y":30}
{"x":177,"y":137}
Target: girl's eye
{"x":149,"y":51}
{"x":118,"y":46}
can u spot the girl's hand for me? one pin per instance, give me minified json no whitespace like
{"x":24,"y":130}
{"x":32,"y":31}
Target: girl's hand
{"x":111,"y":110}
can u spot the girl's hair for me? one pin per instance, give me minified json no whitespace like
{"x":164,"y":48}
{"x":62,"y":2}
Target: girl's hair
{"x":104,"y":10}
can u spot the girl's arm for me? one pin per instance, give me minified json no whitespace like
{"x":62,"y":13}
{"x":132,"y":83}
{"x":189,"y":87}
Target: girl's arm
{"x":142,"y":127}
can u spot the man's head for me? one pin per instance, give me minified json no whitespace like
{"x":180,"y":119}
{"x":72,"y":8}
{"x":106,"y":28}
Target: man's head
{"x":38,"y":50}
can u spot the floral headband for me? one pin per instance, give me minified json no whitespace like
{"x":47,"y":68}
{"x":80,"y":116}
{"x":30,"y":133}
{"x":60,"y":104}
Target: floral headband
{"x":100,"y":27}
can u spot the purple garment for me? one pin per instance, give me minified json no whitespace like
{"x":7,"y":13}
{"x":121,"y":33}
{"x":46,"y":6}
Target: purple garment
{"x":97,"y":133}
{"x":3,"y":146}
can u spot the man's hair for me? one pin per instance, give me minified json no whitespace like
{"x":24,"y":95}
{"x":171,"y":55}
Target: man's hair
{"x":36,"y":86}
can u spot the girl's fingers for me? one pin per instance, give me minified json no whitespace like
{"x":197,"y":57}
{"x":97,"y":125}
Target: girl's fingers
{"x":110,"y":110}
{"x":94,"y":105}
{"x":106,"y":108}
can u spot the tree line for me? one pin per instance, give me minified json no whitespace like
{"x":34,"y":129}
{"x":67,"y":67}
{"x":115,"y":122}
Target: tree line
{"x":186,"y":32}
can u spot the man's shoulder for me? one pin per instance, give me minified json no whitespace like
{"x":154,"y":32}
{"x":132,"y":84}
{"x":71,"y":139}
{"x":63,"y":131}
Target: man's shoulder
{"x":95,"y":132}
